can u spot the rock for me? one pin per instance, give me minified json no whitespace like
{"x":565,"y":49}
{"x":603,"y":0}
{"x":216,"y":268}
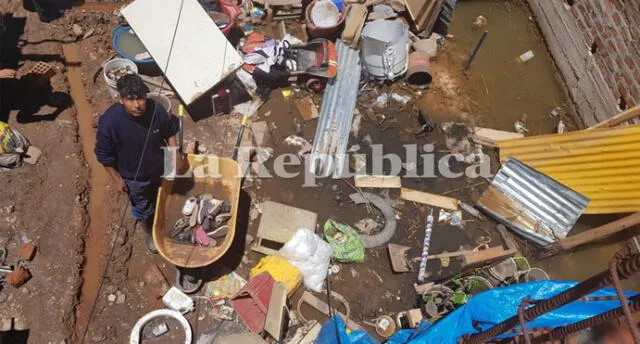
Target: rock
{"x":89,"y":33}
{"x":120,"y":297}
{"x":77,"y":30}
{"x":160,"y":329}
{"x":334,"y":187}
{"x":5,"y":324}
{"x":111,"y":298}
{"x":110,"y":289}
{"x":20,"y":324}
{"x":428,"y":46}
{"x":398,"y":5}
{"x":24,"y":290}
{"x":9,"y":209}
{"x":480,"y":22}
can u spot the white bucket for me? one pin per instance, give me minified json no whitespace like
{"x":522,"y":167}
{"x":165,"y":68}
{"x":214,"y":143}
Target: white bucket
{"x":116,"y":63}
{"x":161,"y":99}
{"x":385,"y":48}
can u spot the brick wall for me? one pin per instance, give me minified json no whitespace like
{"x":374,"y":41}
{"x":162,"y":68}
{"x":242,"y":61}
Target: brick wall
{"x":611,"y":30}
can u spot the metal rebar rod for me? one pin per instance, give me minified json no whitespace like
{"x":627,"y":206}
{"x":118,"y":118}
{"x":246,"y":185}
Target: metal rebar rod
{"x":564,"y":331}
{"x":623,"y":299}
{"x":523,"y":323}
{"x":625,"y":268}
{"x":475,"y":50}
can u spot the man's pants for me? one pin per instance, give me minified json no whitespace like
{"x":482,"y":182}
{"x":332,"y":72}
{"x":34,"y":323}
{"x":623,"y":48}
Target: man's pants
{"x":142,"y":195}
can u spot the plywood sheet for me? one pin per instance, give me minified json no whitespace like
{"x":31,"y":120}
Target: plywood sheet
{"x":391,"y":182}
{"x":201,"y":55}
{"x":429,"y":198}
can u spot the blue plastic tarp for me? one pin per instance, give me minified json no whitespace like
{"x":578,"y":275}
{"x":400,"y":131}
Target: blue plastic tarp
{"x":329,"y":334}
{"x":496,"y":305}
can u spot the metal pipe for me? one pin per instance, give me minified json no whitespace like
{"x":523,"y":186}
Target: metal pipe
{"x":623,"y":299}
{"x":475,"y":50}
{"x":625,"y":268}
{"x":562,"y":332}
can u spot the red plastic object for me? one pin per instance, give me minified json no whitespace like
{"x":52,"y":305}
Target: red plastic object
{"x":233,"y":11}
{"x":251,"y":302}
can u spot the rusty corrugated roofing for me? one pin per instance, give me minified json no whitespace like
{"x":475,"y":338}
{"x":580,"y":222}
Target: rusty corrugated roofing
{"x":601,"y":164}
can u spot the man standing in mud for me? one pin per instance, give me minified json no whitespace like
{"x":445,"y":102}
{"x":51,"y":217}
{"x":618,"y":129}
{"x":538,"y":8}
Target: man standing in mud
{"x":129,"y":142}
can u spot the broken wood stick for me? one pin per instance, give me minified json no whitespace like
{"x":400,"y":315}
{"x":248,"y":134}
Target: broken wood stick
{"x":378,"y":182}
{"x":594,"y":234}
{"x":429,"y":199}
{"x":486,"y":256}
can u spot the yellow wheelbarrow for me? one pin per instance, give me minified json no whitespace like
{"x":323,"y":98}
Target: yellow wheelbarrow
{"x":207,"y":174}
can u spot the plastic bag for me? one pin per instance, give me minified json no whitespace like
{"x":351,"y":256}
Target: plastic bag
{"x":310,"y":254}
{"x":345,"y":242}
{"x":12,"y":147}
{"x":334,"y":332}
{"x":280,"y":270}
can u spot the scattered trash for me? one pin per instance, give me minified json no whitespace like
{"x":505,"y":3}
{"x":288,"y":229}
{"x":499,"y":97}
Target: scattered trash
{"x":425,"y":247}
{"x":294,"y":140}
{"x":311,"y":255}
{"x":367,"y":181}
{"x":224,"y":287}
{"x":251,"y":302}
{"x":280,"y":270}
{"x":27,"y":251}
{"x":453,"y":218}
{"x":434,"y":200}
{"x":526,"y":56}
{"x":356,"y":16}
{"x":389,"y":229}
{"x":384,"y":11}
{"x":136,"y":332}
{"x":324,"y":14}
{"x":428,"y":46}
{"x":178,"y":301}
{"x":306,"y":108}
{"x":520,"y":127}
{"x":120,"y":297}
{"x":491,"y":137}
{"x":561,"y":127}
{"x":12,"y":147}
{"x":385,"y":326}
{"x":111,"y":297}
{"x":398,"y":257}
{"x":480,"y":22}
{"x":476,"y":157}
{"x":458,"y":137}
{"x":355,"y":125}
{"x":77,"y":30}
{"x":469,"y":209}
{"x":346,"y":244}
{"x":160,"y":329}
{"x":419,"y":70}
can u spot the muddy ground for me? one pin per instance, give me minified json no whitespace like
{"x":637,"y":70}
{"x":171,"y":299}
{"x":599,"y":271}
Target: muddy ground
{"x":71,"y":245}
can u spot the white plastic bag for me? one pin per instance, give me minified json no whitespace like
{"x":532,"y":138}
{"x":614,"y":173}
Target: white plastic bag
{"x":311,"y":255}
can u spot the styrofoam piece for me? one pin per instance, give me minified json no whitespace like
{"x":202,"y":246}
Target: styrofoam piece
{"x":177,"y":300}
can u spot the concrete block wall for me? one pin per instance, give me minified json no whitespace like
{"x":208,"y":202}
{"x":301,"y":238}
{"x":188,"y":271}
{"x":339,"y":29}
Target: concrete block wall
{"x":596,"y":47}
{"x":611,"y":28}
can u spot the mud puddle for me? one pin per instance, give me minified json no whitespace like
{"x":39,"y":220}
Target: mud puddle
{"x":98,"y":224}
{"x":506,"y":87}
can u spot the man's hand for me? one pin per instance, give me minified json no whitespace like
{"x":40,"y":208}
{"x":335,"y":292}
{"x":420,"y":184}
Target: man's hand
{"x":7,"y":73}
{"x":182,"y":164}
{"x":120,"y":185}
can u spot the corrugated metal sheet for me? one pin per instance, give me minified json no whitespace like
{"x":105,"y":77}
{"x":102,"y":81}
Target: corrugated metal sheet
{"x":602,"y":164}
{"x":532,"y":203}
{"x":336,"y":112}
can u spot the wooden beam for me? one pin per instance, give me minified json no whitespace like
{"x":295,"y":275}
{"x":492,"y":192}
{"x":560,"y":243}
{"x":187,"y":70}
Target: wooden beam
{"x":595,"y":234}
{"x":391,"y":182}
{"x":429,"y":198}
{"x":491,"y":137}
{"x":619,"y":118}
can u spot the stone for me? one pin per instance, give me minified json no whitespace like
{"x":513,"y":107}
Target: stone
{"x":77,"y":30}
{"x":20,"y":324}
{"x":428,"y":46}
{"x":5,"y":324}
{"x":111,"y":298}
{"x":120,"y":297}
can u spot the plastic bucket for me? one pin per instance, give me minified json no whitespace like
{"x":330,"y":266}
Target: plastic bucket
{"x":419,"y":70}
{"x":114,"y":64}
{"x":385,"y":47}
{"x":534,"y":274}
{"x":317,"y":31}
{"x":128,"y":45}
{"x":161,"y":99}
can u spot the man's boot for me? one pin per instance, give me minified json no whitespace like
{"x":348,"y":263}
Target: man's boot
{"x":148,"y":227}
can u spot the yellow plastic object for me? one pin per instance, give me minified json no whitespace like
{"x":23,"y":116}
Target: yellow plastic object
{"x":286,"y":93}
{"x":180,"y":110}
{"x":602,"y":164}
{"x":280,"y":270}
{"x":207,"y":175}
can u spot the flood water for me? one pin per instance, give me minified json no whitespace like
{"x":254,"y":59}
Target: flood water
{"x":511,"y":88}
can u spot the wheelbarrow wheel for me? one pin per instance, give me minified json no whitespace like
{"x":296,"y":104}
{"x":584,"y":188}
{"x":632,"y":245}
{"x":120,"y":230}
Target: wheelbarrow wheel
{"x":186,"y":282}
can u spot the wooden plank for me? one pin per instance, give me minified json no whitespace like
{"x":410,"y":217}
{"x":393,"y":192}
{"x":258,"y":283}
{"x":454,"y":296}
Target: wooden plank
{"x":486,"y":256}
{"x":353,"y":24}
{"x":429,"y":198}
{"x":418,"y":9}
{"x":273,"y":323}
{"x":429,"y":20}
{"x":619,"y":118}
{"x":490,"y":137}
{"x":391,"y":182}
{"x":197,"y":58}
{"x":597,"y":233}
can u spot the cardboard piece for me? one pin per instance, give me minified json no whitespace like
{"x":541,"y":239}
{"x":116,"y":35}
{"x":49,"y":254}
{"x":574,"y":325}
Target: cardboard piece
{"x":278,"y":224}
{"x":32,"y":156}
{"x":306,"y":108}
{"x":275,"y":320}
{"x":353,"y":24}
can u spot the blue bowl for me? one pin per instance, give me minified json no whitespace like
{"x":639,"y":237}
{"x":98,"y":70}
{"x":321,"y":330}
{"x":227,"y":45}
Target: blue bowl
{"x":118,"y":33}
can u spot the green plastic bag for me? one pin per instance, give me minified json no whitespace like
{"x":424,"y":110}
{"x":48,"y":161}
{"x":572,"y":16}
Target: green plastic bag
{"x":347,"y":245}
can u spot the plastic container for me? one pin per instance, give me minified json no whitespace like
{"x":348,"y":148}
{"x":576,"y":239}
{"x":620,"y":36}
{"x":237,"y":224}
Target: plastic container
{"x":339,"y":4}
{"x":325,"y":14}
{"x":128,"y":45}
{"x":385,"y":47}
{"x":534,"y":274}
{"x":114,"y":64}
{"x":252,"y":301}
{"x":419,"y":70}
{"x":504,"y":270}
{"x":161,"y":99}
{"x":317,"y":31}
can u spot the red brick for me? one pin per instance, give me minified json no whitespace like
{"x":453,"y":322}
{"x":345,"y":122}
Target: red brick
{"x":616,"y":19}
{"x":629,"y":61}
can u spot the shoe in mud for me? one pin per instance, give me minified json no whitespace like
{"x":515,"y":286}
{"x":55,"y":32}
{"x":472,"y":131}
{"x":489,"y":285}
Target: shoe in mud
{"x":151,"y":246}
